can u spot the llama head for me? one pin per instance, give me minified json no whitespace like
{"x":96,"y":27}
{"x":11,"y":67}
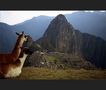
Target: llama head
{"x":25,"y":50}
{"x":21,"y":38}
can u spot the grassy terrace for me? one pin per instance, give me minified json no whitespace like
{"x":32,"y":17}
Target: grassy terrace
{"x":31,"y":73}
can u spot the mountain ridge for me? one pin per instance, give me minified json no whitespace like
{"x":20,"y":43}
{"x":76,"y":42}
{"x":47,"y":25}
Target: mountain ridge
{"x":87,"y":22}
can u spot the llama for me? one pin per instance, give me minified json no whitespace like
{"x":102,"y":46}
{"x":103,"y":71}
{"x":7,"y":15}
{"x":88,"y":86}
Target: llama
{"x":12,"y":57}
{"x":14,"y":69}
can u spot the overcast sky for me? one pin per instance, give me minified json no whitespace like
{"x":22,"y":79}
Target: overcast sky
{"x":14,"y":17}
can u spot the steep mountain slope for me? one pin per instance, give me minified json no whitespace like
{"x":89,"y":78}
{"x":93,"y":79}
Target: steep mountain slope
{"x":34,"y":27}
{"x":90,"y":22}
{"x":61,"y":36}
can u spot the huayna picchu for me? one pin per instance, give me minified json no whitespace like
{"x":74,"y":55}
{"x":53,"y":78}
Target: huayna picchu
{"x":61,"y":36}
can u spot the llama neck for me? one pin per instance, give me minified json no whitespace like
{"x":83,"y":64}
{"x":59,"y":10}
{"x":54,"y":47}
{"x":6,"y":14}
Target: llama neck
{"x":17,"y":50}
{"x":18,"y":44}
{"x":22,"y":59}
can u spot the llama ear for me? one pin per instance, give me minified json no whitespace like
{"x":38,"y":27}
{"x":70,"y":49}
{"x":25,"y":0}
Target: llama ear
{"x":17,"y":33}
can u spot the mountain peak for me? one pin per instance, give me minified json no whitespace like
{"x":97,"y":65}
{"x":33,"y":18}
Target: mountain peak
{"x":59,"y":22}
{"x":61,"y":17}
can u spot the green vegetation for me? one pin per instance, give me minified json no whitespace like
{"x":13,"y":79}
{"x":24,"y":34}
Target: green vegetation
{"x":32,"y":73}
{"x":51,"y":58}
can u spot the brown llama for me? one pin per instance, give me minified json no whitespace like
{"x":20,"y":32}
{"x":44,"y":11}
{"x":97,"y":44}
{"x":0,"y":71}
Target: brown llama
{"x":13,"y":56}
{"x":10,"y":70}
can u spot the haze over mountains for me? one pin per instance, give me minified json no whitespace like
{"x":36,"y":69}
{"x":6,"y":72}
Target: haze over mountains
{"x":35,"y":27}
{"x":89,"y":22}
{"x":64,"y":34}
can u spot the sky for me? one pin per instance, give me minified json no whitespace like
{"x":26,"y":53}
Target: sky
{"x":14,"y":17}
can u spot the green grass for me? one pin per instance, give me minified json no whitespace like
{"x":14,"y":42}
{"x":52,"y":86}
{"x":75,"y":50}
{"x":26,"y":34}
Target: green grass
{"x":51,"y":58}
{"x":31,"y":73}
